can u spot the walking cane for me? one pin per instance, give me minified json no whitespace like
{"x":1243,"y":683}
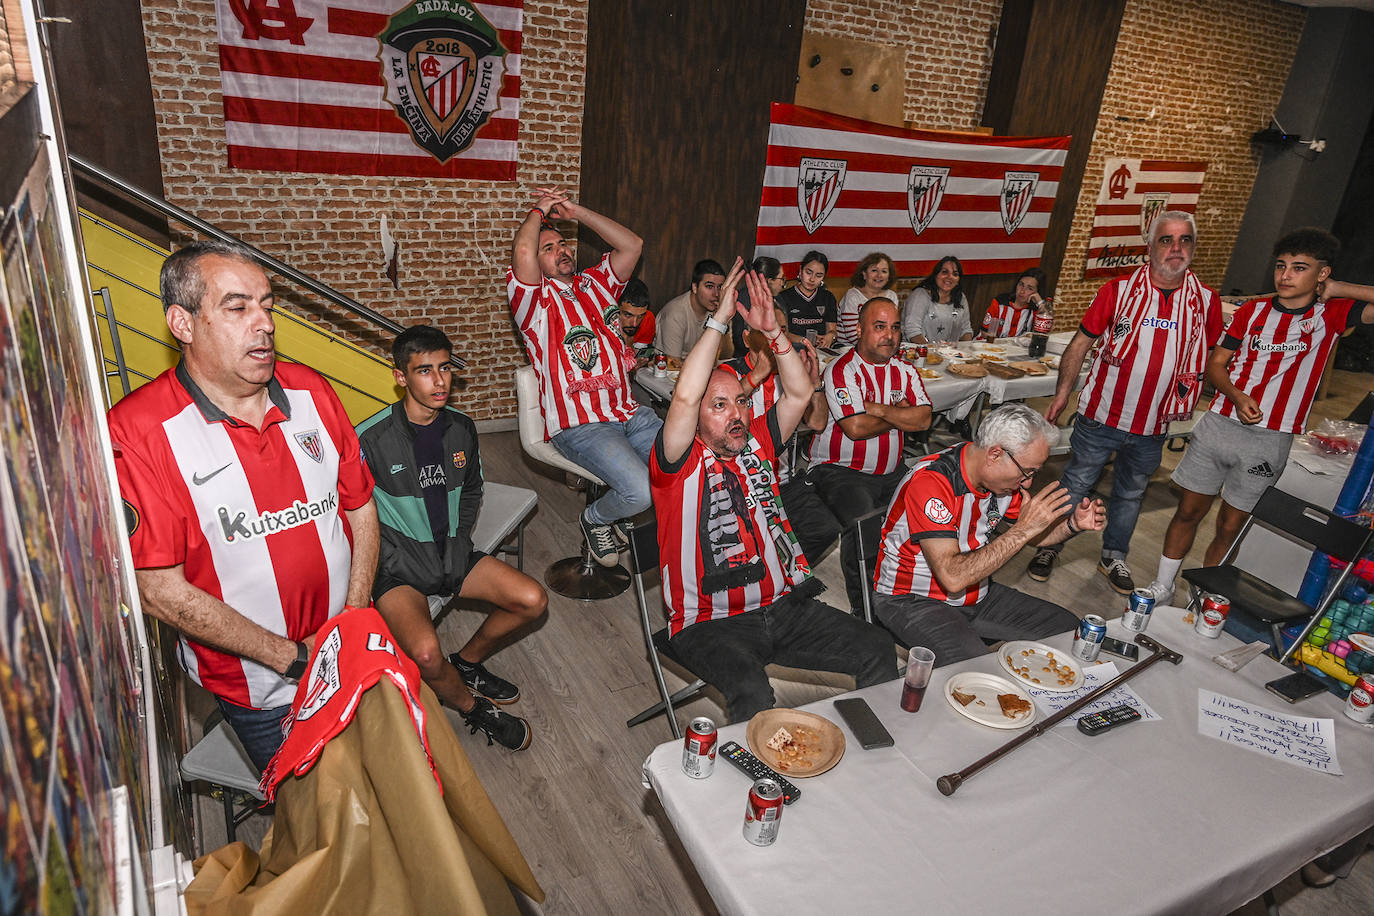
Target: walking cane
{"x":950,"y":783}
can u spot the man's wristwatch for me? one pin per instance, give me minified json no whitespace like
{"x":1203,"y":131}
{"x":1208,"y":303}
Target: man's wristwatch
{"x":715,"y":325}
{"x":296,"y":670}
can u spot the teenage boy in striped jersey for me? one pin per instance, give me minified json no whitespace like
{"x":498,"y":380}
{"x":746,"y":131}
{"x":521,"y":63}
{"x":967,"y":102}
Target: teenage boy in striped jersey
{"x":731,"y":564}
{"x":1266,"y":371}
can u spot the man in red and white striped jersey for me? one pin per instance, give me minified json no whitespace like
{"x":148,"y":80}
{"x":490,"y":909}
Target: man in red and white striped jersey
{"x":1154,"y":328}
{"x":571,"y":329}
{"x":734,"y":579}
{"x":249,"y":507}
{"x":941,"y":540}
{"x":1266,"y":371}
{"x":875,"y":398}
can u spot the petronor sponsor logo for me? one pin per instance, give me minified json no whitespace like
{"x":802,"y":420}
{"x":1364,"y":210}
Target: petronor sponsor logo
{"x":237,"y":526}
{"x":1163,"y":324}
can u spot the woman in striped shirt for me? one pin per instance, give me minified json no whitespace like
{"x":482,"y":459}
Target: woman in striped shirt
{"x":873,"y":278}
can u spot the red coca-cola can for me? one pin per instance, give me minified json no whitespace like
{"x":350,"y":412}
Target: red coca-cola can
{"x":922,"y":351}
{"x":1212,"y":617}
{"x":1360,"y":704}
{"x":763,"y":813}
{"x":699,"y":748}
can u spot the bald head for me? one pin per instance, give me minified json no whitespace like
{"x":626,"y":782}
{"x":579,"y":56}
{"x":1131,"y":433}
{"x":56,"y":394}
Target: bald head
{"x":723,"y":417}
{"x":879,"y":330}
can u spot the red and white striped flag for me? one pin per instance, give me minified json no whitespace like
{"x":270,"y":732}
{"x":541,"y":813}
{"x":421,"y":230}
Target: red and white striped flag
{"x":1133,"y":193}
{"x":426,"y":88}
{"x":848,"y":187}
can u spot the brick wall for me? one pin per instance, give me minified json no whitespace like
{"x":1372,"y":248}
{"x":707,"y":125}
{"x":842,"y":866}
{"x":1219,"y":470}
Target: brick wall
{"x":8,"y":78}
{"x":455,"y":235}
{"x":1191,"y":79}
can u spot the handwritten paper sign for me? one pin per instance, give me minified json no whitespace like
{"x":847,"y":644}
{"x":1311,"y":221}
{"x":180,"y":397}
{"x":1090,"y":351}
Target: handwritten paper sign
{"x":1094,"y":676}
{"x":1297,"y":740}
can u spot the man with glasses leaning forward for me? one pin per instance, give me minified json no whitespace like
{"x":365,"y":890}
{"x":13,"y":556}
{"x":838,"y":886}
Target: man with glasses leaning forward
{"x":958,"y":517}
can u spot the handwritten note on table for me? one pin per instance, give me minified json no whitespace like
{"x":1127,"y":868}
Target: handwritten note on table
{"x":1094,"y":676}
{"x":1297,"y":740}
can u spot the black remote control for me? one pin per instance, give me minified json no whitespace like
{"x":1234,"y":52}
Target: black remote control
{"x":1098,"y":722}
{"x":756,"y":769}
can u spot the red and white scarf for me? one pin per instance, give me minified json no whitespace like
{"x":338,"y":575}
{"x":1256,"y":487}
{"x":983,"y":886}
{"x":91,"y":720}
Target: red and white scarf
{"x":1139,"y":301}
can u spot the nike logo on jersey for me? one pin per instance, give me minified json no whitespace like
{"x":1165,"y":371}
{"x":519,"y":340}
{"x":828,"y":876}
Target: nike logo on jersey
{"x":1261,"y":470}
{"x":397,"y":468}
{"x":198,"y":479}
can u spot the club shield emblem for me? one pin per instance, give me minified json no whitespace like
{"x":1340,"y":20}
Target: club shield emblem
{"x":1151,"y":206}
{"x":460,"y":459}
{"x":309,"y":441}
{"x":324,"y":678}
{"x":1018,"y":190}
{"x":581,"y":346}
{"x":925,"y":189}
{"x":442,"y":65}
{"x":819,"y":182}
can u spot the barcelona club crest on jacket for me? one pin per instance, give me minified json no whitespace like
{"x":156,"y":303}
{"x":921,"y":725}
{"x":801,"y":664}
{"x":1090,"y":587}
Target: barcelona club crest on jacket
{"x":442,"y":64}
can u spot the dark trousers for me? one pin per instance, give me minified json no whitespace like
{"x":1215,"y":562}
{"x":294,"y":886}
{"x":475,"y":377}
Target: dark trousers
{"x":730,"y":654}
{"x":812,"y":521}
{"x":957,"y":633}
{"x":258,"y":730}
{"x":851,"y":494}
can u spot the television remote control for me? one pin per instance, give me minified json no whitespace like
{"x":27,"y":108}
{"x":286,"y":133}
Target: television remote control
{"x":1098,"y":722}
{"x":756,"y":769}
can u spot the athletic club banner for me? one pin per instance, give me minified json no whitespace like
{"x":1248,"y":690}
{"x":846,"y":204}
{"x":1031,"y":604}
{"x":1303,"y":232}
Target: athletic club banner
{"x":847,"y":187}
{"x":426,"y":88}
{"x":1134,"y":192}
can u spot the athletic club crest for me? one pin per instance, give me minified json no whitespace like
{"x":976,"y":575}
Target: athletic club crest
{"x":1018,"y":190}
{"x":442,"y":64}
{"x":1153,"y":205}
{"x":925,"y":188}
{"x":309,"y":441}
{"x":819,"y":182}
{"x":581,"y":346}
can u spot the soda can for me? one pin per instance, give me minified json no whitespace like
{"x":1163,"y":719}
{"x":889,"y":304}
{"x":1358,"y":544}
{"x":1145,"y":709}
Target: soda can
{"x":1087,"y":640}
{"x":763,"y":813}
{"x":699,"y":748}
{"x":922,"y":351}
{"x":1212,"y":617}
{"x":1141,"y":605}
{"x":1360,"y":704}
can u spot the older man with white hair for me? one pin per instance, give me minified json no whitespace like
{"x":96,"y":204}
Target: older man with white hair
{"x":957,"y":518}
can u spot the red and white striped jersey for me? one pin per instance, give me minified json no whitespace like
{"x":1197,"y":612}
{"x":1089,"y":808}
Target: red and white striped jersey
{"x":1129,"y":397}
{"x":850,"y":381}
{"x":582,"y":362}
{"x":1280,"y":356}
{"x":761,"y":400}
{"x":936,"y":500}
{"x":1004,"y":319}
{"x":725,"y":544}
{"x":853,"y":302}
{"x":255,"y":516}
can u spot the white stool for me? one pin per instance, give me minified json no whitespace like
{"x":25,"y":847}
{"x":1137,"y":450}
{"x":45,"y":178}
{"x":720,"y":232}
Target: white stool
{"x":578,"y":576}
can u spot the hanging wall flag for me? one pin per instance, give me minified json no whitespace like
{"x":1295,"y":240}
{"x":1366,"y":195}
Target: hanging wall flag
{"x":1133,"y":193}
{"x":847,"y":187}
{"x":425,"y":88}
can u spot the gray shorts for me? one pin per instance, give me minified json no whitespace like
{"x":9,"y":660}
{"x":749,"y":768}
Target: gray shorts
{"x":1227,"y":456}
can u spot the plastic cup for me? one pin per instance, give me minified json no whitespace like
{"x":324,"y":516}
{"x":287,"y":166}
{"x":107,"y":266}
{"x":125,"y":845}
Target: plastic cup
{"x":919,"y":664}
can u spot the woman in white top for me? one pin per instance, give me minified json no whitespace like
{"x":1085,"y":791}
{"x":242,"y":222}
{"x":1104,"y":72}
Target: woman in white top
{"x":937,"y":310}
{"x":872,"y":278}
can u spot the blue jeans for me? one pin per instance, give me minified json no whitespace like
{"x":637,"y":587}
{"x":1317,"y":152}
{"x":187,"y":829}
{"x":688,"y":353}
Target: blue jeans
{"x":259,"y":730}
{"x":618,"y":453}
{"x":1137,"y":457}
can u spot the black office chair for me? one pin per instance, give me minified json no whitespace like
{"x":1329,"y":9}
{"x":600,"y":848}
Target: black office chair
{"x":868,"y":531}
{"x":1250,"y":595}
{"x":644,"y":561}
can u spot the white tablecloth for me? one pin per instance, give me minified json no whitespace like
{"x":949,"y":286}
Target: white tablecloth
{"x":1148,"y":818}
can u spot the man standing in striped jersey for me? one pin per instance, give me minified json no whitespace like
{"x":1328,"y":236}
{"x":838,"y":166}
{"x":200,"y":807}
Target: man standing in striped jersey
{"x":733,"y":575}
{"x":1266,"y":371}
{"x":1154,"y":327}
{"x":249,"y":506}
{"x":571,"y":328}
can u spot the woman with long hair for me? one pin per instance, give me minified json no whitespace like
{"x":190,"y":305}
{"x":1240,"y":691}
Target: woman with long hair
{"x":1010,"y":313}
{"x":873,"y":278}
{"x":937,"y":310}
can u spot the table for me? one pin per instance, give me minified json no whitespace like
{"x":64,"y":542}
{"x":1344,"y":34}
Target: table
{"x":1149,"y":818}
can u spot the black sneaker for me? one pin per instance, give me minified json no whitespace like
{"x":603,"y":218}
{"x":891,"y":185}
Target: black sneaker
{"x":601,"y":540}
{"x":1118,"y":575}
{"x":499,"y":726}
{"x":1042,"y":564}
{"x":621,"y":531}
{"x":481,"y":681}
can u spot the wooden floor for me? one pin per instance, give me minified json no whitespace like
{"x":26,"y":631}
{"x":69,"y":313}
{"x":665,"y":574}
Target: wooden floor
{"x":596,"y":838}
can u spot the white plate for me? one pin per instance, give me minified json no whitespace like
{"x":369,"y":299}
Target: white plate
{"x":985,"y":688}
{"x":1039,"y":659}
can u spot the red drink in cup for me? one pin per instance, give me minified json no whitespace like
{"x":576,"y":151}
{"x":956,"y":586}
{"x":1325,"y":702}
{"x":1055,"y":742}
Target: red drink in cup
{"x":918,"y":667}
{"x":912,"y":697}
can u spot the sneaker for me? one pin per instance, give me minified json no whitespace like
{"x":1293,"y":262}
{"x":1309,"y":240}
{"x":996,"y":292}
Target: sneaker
{"x":1118,"y":575}
{"x":601,"y":540}
{"x":499,"y":726}
{"x":621,"y":530}
{"x":1042,"y":564}
{"x":1163,"y":592}
{"x":483,"y":682}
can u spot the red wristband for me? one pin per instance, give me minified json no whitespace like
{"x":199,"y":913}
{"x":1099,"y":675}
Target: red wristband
{"x":542,"y":215}
{"x":773,"y":345}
